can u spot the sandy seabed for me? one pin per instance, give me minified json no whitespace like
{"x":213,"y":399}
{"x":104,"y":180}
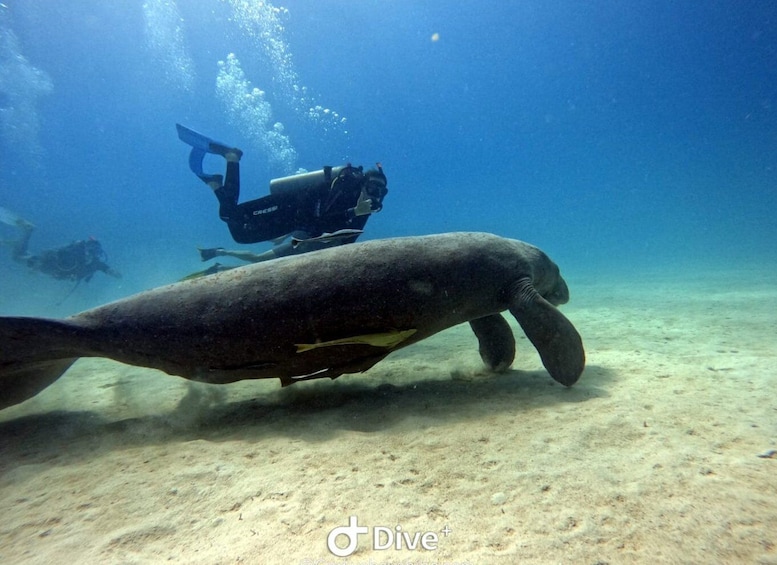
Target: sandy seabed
{"x":662,"y":453}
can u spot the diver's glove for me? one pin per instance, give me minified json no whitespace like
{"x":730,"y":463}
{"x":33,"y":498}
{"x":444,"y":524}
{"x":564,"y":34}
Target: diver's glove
{"x":363,"y":205}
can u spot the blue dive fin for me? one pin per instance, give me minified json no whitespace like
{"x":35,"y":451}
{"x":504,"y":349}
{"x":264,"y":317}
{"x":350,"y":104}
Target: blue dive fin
{"x":195,"y":162}
{"x":201,"y":145}
{"x":8,"y":217}
{"x":191,"y":137}
{"x":201,"y":142}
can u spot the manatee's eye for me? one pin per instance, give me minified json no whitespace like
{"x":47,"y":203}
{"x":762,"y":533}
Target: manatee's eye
{"x":559,"y":294}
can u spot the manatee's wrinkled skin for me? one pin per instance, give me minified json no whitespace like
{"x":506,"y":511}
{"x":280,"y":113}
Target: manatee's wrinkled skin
{"x":246,"y":323}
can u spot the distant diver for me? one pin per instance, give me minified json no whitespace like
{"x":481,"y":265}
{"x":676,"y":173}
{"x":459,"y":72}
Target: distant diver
{"x":302,"y":213}
{"x":77,"y":261}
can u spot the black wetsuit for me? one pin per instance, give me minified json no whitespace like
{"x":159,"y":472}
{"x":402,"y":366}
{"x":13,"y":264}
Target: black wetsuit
{"x":325,"y":207}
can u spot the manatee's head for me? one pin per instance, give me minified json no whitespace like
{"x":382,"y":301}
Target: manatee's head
{"x":546,"y":277}
{"x":552,"y":334}
{"x":559,"y":294}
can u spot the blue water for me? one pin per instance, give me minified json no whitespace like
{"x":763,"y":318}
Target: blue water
{"x":619,"y":136}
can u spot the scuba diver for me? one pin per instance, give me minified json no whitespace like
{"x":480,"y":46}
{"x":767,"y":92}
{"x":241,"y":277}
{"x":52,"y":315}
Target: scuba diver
{"x":320,"y":241}
{"x":77,"y":261}
{"x":318,"y":209}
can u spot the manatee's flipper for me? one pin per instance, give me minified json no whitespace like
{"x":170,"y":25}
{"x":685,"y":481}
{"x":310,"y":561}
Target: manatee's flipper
{"x":554,"y":336}
{"x":496,"y":341}
{"x":34,"y":352}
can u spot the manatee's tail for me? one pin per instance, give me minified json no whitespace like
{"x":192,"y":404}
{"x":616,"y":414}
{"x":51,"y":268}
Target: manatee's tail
{"x":552,"y":334}
{"x":34,"y":352}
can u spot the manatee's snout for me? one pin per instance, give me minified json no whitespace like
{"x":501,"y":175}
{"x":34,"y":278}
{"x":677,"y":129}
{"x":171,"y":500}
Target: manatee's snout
{"x":559,"y":294}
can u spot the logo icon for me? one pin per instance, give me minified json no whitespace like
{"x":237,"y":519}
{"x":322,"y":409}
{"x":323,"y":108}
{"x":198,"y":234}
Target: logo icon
{"x":351,"y":531}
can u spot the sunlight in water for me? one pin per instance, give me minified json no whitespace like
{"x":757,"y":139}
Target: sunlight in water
{"x":263,"y":22}
{"x":165,"y":39}
{"x":249,"y":111}
{"x":21,"y":85}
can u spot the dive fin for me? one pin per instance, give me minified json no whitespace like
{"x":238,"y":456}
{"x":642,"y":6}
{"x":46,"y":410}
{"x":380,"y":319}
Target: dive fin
{"x":9,"y":218}
{"x":198,"y":140}
{"x":552,"y":334}
{"x":201,"y":145}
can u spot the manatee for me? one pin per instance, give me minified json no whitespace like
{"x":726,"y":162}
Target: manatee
{"x":321,"y":314}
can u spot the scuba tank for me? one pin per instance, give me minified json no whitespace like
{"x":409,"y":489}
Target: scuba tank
{"x":294,"y":183}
